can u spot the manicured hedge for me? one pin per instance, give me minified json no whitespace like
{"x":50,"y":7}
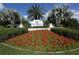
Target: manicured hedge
{"x":6,"y":33}
{"x":70,"y":33}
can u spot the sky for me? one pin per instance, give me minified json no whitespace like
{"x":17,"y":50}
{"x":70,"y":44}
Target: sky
{"x":23,"y":7}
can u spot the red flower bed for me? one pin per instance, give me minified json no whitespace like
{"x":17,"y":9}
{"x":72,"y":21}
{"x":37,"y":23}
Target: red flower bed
{"x":41,"y":40}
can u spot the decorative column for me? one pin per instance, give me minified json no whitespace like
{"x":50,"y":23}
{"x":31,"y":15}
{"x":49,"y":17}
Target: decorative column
{"x":50,"y":25}
{"x":21,"y":25}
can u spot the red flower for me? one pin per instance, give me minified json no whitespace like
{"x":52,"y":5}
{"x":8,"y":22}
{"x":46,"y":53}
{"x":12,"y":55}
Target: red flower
{"x":41,"y":37}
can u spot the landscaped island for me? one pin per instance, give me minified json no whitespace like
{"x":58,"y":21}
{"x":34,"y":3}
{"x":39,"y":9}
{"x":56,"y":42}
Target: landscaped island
{"x":54,"y":33}
{"x":43,"y":41}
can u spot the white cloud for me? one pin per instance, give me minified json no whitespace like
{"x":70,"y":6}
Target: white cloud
{"x":46,"y":15}
{"x":1,"y":6}
{"x":75,"y":14}
{"x":25,"y":16}
{"x":72,"y":10}
{"x":57,"y":5}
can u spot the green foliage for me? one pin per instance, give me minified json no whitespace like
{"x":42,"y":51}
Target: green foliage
{"x":9,"y":16}
{"x":35,"y":12}
{"x":26,"y":23}
{"x":6,"y":33}
{"x":46,"y":23}
{"x":58,"y":14}
{"x":4,"y":23}
{"x":71,"y":23}
{"x":70,"y":33}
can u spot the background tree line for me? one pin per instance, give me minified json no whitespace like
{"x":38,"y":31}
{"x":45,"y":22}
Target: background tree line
{"x":60,"y":16}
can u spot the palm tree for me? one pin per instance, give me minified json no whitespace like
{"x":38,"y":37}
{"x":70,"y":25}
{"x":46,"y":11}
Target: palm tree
{"x":35,"y":12}
{"x":51,"y":17}
{"x":57,"y":15}
{"x":66,"y":13}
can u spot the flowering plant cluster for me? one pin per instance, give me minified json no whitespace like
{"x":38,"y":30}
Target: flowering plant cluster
{"x":42,"y":40}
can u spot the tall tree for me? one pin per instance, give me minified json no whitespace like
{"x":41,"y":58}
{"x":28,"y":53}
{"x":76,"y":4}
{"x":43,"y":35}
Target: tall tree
{"x":66,"y":13}
{"x":3,"y":21}
{"x":59,"y":14}
{"x":12,"y":16}
{"x":35,"y":12}
{"x":51,"y":18}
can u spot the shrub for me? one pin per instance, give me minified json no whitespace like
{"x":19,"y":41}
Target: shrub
{"x":70,"y":33}
{"x":6,"y":33}
{"x":70,"y":23}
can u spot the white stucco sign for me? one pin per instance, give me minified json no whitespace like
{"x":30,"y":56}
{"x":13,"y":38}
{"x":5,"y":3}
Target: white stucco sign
{"x":35,"y":23}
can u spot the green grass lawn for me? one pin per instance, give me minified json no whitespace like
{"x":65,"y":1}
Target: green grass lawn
{"x":11,"y":51}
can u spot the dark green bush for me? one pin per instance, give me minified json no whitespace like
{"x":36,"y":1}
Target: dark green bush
{"x":6,"y":33}
{"x":70,"y":33}
{"x":70,"y":23}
